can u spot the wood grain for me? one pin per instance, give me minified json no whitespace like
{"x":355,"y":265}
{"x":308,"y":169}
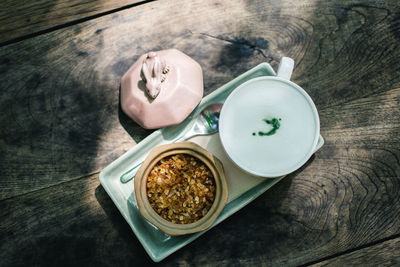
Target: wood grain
{"x":60,"y":121}
{"x":383,"y":254}
{"x":23,"y":18}
{"x":70,"y":224}
{"x":346,"y":196}
{"x":60,"y":96}
{"x":60,"y":90}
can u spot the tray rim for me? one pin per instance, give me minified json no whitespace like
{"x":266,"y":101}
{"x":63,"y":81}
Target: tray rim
{"x":258,"y":189}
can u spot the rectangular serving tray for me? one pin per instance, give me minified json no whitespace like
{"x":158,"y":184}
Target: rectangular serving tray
{"x":243,"y":188}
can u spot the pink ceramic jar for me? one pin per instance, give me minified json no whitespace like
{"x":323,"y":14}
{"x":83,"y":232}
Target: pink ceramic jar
{"x":161,"y":88}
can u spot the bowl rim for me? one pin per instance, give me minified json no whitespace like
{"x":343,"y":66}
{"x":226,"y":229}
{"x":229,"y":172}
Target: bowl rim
{"x":216,"y":168}
{"x":306,"y":156}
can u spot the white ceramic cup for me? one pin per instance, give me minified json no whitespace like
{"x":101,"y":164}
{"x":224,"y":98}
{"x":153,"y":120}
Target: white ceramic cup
{"x":247,"y":124}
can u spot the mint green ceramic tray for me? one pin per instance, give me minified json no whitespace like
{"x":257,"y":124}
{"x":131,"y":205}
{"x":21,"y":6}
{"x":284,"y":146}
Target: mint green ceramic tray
{"x":243,"y":188}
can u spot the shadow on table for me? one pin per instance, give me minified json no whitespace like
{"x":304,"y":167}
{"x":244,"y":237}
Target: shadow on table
{"x":130,"y":248}
{"x":280,"y":190}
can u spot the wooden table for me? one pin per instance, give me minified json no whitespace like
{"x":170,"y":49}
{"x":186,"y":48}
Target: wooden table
{"x":61,"y":124}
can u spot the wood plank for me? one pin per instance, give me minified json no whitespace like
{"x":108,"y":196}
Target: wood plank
{"x":346,"y":196}
{"x":72,"y":223}
{"x":383,"y":254}
{"x":59,"y":108}
{"x":61,"y":89}
{"x":23,"y":18}
{"x":60,"y":120}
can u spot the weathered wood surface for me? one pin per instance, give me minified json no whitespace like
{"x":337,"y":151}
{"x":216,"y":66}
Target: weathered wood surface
{"x":19,"y":19}
{"x":61,"y":124}
{"x":73,"y":224}
{"x":383,"y":254}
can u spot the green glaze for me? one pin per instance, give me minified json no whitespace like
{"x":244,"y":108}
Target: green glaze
{"x":208,"y":118}
{"x":275,"y":126}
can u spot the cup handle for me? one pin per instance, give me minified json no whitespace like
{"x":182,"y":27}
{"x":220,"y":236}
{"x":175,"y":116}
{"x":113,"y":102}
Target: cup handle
{"x":285,"y":68}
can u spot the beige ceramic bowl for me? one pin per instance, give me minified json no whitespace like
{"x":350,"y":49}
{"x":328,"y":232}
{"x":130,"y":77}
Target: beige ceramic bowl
{"x":221,"y":192}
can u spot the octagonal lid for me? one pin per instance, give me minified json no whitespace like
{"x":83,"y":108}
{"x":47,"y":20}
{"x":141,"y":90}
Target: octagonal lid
{"x":161,"y":88}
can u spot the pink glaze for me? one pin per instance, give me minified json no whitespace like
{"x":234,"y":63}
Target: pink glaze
{"x":153,"y":102}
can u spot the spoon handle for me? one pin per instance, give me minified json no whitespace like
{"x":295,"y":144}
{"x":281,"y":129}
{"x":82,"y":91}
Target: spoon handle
{"x":184,"y":137}
{"x":127,"y":176}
